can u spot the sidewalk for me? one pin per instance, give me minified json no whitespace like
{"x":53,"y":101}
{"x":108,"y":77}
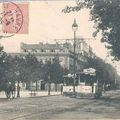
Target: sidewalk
{"x":112,"y":93}
{"x":25,"y":93}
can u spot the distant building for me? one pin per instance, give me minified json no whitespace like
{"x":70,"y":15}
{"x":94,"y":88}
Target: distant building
{"x":48,"y":51}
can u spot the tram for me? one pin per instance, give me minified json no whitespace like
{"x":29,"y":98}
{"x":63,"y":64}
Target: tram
{"x":86,"y":84}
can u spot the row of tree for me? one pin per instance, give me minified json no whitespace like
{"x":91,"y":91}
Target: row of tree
{"x":106,"y":73}
{"x":28,"y":69}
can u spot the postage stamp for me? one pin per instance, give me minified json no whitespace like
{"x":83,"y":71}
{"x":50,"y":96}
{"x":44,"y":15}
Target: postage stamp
{"x":15,"y":18}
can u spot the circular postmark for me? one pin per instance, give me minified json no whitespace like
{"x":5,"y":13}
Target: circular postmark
{"x":11,"y":20}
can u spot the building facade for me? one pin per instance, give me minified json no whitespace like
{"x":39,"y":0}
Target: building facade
{"x":47,"y":51}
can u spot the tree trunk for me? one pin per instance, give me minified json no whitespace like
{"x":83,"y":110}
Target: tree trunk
{"x":56,"y":87}
{"x":18,"y":89}
{"x":36,"y":86}
{"x":49,"y":88}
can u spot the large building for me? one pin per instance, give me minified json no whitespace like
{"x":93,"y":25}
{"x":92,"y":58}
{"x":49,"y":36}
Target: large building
{"x":47,"y":51}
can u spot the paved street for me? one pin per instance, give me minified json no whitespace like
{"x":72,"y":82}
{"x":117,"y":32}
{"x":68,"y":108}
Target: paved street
{"x":59,"y":107}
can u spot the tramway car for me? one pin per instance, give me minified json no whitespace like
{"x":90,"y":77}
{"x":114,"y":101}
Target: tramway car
{"x":86,"y":85}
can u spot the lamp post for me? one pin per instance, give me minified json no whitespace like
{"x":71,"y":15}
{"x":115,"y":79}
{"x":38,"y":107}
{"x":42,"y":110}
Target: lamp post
{"x":74,"y":28}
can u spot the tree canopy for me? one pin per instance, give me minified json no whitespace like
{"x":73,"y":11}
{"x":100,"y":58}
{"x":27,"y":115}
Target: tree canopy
{"x":106,"y":16}
{"x":3,"y":66}
{"x":106,"y":73}
{"x":54,"y":70}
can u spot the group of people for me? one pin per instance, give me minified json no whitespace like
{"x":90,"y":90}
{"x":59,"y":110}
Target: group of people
{"x":11,"y":90}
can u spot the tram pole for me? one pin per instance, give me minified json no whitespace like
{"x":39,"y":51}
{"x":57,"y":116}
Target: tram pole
{"x":74,"y":28}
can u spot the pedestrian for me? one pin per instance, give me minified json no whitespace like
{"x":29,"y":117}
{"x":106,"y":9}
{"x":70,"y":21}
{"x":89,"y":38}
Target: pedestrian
{"x":61,"y":89}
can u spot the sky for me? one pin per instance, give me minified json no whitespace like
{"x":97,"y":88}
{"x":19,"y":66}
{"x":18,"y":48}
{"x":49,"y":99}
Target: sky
{"x":47,"y":22}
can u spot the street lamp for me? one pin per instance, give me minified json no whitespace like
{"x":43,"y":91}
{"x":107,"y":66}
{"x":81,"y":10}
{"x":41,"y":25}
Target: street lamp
{"x":74,"y":28}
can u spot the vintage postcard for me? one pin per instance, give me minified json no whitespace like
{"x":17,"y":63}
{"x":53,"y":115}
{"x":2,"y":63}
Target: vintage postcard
{"x":59,"y":60}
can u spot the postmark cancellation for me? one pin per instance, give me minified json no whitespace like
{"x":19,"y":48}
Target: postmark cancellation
{"x":14,"y":19}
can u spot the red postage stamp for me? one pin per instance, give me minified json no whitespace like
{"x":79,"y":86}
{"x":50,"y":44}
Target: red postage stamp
{"x":15,"y":18}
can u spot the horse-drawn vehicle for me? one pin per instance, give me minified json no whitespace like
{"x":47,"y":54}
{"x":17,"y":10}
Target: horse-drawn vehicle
{"x":8,"y":88}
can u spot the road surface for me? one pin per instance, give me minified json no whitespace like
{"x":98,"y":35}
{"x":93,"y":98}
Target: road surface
{"x":59,"y":107}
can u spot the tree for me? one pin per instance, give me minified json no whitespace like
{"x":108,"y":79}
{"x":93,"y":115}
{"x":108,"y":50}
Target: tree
{"x":105,"y":72}
{"x":33,"y":69}
{"x":4,"y":79}
{"x":23,"y":68}
{"x":15,"y":71}
{"x":53,"y":72}
{"x":47,"y":74}
{"x":106,"y":16}
{"x":57,"y":72}
{"x":3,"y":65}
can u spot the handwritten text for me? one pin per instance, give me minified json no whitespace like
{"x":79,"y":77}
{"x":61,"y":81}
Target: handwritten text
{"x":69,"y":9}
